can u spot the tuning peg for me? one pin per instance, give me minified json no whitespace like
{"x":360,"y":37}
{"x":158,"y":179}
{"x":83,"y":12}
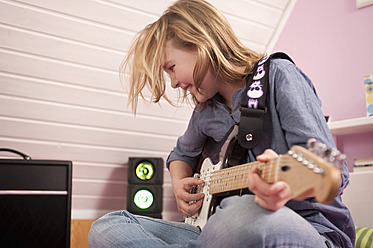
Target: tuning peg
{"x":311,"y":143}
{"x":316,"y":147}
{"x":330,"y":154}
{"x":322,"y":149}
{"x":333,"y":156}
{"x":340,"y":160}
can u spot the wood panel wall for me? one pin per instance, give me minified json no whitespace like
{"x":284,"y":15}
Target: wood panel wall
{"x":61,"y":97}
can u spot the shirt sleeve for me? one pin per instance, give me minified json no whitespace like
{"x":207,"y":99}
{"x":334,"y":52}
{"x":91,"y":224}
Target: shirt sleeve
{"x":299,"y":109}
{"x":189,"y":146}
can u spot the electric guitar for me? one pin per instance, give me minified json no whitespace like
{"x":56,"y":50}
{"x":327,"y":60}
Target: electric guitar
{"x":303,"y":169}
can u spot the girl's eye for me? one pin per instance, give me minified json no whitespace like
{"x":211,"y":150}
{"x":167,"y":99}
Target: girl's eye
{"x":171,"y":68}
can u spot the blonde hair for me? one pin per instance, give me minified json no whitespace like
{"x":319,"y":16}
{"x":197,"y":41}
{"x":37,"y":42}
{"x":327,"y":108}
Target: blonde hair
{"x":190,"y":24}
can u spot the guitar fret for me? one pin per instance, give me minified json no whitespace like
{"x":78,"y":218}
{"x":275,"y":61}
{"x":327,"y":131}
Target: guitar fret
{"x":234,"y":178}
{"x":262,"y":171}
{"x":276,"y":170}
{"x":270,"y":171}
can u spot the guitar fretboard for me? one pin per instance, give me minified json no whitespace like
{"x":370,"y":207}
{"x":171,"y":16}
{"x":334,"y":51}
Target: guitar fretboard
{"x":235,"y":178}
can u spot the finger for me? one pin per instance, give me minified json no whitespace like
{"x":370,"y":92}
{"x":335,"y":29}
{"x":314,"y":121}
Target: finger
{"x":282,"y":189}
{"x":267,"y":155}
{"x":255,"y":183}
{"x":194,"y":207}
{"x":188,"y":197}
{"x":190,"y":182}
{"x":269,"y":196}
{"x":195,"y":197}
{"x":279,"y":194}
{"x":261,"y":202}
{"x":183,"y":207}
{"x":268,"y":204}
{"x":185,"y":195}
{"x":188,"y":209}
{"x":278,"y":189}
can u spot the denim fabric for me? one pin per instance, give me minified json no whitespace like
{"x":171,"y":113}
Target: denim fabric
{"x":294,"y":115}
{"x":238,"y":222}
{"x":122,"y":229}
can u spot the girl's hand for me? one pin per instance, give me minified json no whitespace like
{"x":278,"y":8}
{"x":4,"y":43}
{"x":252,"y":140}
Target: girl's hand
{"x":269,"y":196}
{"x":187,"y":204}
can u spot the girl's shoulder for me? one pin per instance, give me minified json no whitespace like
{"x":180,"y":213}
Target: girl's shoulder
{"x":281,"y":64}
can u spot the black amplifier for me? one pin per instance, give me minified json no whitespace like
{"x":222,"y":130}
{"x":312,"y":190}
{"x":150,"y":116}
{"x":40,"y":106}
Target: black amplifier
{"x":35,"y":202}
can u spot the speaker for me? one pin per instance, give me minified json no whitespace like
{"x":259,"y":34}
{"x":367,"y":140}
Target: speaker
{"x":145,"y":186}
{"x":35,"y":203}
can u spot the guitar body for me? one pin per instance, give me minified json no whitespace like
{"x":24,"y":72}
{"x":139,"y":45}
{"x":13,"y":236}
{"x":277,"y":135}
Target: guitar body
{"x":206,"y":167}
{"x":207,"y":209}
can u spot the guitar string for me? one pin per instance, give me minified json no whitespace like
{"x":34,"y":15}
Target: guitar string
{"x":236,"y":177}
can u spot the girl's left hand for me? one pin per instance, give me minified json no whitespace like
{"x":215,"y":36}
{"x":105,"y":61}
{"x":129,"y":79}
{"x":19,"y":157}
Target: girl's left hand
{"x":269,"y":196}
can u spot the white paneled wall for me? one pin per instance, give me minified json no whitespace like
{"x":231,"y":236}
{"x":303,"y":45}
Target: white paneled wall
{"x":61,"y":96}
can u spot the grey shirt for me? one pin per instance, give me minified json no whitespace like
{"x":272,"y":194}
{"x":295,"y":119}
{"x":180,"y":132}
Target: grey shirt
{"x":294,"y":115}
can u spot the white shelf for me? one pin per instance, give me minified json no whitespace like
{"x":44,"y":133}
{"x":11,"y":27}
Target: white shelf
{"x":363,"y":3}
{"x":358,"y":198}
{"x":351,"y":126}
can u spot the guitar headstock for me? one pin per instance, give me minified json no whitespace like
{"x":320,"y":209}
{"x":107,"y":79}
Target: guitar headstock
{"x":313,"y":169}
{"x":329,"y":154}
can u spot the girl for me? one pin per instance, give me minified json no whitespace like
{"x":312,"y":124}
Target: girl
{"x":194,"y":44}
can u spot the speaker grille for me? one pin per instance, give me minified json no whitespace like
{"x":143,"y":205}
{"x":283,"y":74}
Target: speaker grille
{"x":33,"y":221}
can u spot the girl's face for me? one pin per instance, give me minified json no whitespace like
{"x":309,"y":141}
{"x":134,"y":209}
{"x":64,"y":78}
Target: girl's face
{"x":179,"y":65}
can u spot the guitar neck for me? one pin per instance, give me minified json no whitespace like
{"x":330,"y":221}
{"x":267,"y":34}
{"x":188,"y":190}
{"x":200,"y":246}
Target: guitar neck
{"x":235,"y":178}
{"x":300,"y":168}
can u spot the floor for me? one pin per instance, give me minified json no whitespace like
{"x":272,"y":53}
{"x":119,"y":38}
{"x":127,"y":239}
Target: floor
{"x":79,"y":233}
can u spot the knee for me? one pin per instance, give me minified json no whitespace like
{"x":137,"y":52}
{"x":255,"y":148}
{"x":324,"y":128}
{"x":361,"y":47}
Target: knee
{"x":103,"y":232}
{"x":94,"y":235}
{"x":241,"y":220}
{"x":230,"y":221}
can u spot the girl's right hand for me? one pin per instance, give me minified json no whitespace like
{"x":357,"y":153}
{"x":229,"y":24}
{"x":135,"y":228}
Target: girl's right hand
{"x":187,"y":204}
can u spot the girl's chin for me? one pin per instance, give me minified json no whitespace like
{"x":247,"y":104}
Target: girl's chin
{"x":201,"y":99}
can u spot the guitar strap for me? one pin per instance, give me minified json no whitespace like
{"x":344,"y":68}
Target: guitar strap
{"x":253,"y":105}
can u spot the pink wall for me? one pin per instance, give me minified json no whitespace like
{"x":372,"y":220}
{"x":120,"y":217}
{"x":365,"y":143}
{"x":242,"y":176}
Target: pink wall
{"x":332,"y":42}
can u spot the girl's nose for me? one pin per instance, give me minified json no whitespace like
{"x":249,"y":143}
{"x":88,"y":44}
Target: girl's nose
{"x":174,"y":83}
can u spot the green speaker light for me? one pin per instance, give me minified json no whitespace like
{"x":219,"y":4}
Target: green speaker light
{"x":144,"y":170}
{"x":143,"y":199}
